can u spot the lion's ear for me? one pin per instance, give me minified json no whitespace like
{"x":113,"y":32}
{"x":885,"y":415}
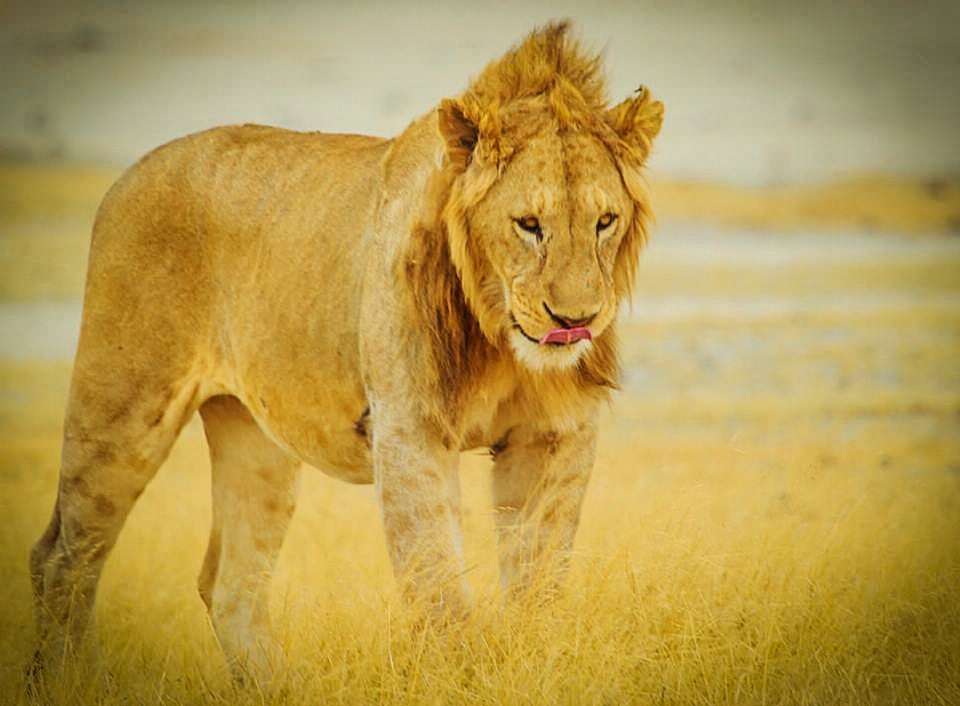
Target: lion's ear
{"x":638,"y":120}
{"x":459,"y":133}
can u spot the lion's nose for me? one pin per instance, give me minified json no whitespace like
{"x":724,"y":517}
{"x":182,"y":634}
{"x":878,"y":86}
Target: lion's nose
{"x":567,"y":321}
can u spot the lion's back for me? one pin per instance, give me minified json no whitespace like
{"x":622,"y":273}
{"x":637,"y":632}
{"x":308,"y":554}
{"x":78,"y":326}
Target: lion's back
{"x":244,"y":234}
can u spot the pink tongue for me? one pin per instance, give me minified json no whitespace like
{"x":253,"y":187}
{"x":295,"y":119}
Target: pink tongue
{"x":566,"y":336}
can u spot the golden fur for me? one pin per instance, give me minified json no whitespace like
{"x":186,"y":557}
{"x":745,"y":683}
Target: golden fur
{"x":371,"y":307}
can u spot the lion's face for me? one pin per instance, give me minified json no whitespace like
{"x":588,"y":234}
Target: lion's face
{"x":546,"y":215}
{"x":551,"y":227}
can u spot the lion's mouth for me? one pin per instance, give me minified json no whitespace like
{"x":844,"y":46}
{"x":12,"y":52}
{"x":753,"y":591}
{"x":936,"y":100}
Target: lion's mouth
{"x":557,"y":336}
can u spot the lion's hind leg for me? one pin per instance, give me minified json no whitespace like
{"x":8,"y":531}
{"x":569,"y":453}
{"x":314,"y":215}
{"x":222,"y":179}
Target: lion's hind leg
{"x":120,"y":425}
{"x":254,"y":494}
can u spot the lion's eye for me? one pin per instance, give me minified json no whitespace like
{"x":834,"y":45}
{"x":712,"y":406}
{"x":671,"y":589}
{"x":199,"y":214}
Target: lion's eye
{"x":605,"y":221}
{"x":531,"y":225}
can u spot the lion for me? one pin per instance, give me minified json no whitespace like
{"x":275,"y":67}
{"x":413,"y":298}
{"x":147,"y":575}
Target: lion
{"x":370,"y":307}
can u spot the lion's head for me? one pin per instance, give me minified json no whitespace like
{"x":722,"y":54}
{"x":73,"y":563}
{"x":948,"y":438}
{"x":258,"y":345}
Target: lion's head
{"x":547,"y":209}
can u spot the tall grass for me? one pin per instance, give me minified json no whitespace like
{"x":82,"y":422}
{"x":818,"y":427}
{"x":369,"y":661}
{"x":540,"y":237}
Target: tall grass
{"x":737,"y":571}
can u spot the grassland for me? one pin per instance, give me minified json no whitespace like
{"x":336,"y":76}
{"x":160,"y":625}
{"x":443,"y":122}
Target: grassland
{"x":774,"y":517}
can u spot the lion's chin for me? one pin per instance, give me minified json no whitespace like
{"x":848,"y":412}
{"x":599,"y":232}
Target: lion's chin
{"x":539,"y":357}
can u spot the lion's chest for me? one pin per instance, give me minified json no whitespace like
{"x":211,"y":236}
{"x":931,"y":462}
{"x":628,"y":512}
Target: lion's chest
{"x":487,"y":416}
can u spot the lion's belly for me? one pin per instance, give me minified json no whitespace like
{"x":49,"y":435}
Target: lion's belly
{"x":299,"y":374}
{"x":333,"y":443}
{"x":343,"y":455}
{"x":319,"y":416}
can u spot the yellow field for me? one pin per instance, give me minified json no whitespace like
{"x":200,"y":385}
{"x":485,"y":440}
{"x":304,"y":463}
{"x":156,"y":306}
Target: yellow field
{"x":774,"y":517}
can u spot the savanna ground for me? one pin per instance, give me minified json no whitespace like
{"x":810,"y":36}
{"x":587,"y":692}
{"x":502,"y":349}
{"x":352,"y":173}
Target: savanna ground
{"x":774,"y":516}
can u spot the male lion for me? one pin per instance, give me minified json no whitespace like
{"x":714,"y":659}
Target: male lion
{"x":371,"y":307}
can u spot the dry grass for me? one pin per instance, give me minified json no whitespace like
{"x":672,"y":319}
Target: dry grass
{"x":45,"y":217}
{"x":870,"y":202}
{"x":37,"y":191}
{"x":773,"y":519}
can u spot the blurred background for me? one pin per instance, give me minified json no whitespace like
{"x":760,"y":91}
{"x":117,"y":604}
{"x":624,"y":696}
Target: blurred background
{"x":781,"y":471}
{"x":758,"y":92}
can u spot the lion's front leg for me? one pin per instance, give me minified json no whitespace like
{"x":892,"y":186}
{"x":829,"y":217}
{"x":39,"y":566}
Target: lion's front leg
{"x":418,"y":486}
{"x":539,"y":481}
